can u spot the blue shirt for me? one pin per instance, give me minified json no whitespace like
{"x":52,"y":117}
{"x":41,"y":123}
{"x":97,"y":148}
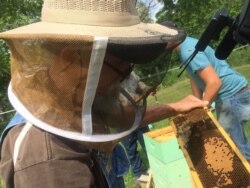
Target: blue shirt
{"x":232,"y":81}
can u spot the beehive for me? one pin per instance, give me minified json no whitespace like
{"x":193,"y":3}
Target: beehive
{"x":211,"y":154}
{"x":167,"y":162}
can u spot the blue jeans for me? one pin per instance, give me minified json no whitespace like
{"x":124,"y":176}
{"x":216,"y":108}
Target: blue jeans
{"x":234,"y":115}
{"x":114,"y":166}
{"x":130,"y":144}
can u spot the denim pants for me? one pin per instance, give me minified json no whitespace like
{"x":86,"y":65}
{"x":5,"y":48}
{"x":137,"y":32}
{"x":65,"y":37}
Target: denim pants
{"x":234,"y":115}
{"x":130,"y":144}
{"x":114,"y":166}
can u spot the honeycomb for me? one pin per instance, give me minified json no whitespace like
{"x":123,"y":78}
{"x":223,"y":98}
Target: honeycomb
{"x":213,"y":158}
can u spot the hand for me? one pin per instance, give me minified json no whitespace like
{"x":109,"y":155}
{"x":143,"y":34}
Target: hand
{"x":188,"y":103}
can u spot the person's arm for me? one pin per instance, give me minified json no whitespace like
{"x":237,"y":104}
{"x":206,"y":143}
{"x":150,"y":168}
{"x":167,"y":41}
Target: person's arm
{"x":212,"y":82}
{"x":195,"y":89}
{"x":162,"y":111}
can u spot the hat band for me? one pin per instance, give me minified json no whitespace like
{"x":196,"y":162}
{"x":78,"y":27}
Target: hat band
{"x":112,"y":19}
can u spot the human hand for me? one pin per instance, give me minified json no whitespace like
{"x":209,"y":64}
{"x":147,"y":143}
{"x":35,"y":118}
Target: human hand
{"x":188,"y":103}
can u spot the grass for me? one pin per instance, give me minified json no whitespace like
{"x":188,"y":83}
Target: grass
{"x":174,"y":93}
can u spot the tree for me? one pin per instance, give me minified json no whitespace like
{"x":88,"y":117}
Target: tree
{"x":194,"y":15}
{"x":147,"y":9}
{"x":144,"y":11}
{"x":14,"y":13}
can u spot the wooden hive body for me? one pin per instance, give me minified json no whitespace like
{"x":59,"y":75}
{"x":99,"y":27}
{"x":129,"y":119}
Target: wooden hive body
{"x":212,"y":156}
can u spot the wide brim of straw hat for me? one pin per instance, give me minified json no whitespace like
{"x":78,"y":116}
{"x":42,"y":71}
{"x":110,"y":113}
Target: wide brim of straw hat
{"x":141,"y":33}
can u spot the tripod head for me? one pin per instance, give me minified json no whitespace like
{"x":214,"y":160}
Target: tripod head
{"x":238,"y":31}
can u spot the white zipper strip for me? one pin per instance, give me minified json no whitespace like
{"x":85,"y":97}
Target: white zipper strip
{"x":19,"y":140}
{"x":94,"y":71}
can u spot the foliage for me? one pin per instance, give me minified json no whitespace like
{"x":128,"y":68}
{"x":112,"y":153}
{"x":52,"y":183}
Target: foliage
{"x":13,"y":13}
{"x":194,"y":15}
{"x":143,"y":10}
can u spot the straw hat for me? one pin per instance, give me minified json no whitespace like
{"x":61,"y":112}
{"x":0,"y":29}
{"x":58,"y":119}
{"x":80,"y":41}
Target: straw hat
{"x":56,"y":65}
{"x":116,"y":19}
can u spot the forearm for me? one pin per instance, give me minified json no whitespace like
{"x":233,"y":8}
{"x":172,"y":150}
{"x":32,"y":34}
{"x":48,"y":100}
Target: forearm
{"x":212,"y":82}
{"x":162,"y":111}
{"x":157,"y":113}
{"x":211,"y":91}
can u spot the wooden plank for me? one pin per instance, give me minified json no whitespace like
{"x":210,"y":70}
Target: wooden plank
{"x":193,"y":173}
{"x":165,"y":137}
{"x":159,"y":132}
{"x":150,"y":182}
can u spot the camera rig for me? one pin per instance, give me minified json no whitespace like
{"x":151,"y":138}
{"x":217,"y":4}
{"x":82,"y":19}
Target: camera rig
{"x":238,"y":32}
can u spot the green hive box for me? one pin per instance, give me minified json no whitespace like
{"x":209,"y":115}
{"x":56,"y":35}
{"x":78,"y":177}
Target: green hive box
{"x":167,"y":162}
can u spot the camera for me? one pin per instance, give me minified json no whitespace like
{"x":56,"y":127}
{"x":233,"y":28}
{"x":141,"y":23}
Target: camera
{"x":238,"y":31}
